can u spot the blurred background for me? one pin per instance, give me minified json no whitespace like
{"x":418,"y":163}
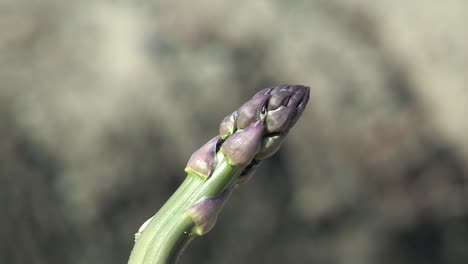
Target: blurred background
{"x":103,"y":102}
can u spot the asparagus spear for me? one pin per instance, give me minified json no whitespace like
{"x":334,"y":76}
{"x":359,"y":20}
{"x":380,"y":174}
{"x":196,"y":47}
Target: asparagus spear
{"x":250,"y":134}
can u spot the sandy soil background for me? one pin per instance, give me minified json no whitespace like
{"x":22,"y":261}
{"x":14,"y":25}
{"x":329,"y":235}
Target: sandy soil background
{"x":103,"y":102}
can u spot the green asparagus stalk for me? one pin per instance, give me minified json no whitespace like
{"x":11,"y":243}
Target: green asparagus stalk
{"x":250,"y":134}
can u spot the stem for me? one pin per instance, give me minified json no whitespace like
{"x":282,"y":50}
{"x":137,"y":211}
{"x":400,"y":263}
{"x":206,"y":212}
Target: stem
{"x":172,"y":229}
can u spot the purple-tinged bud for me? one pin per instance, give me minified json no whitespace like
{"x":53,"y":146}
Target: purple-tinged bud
{"x":278,"y":120}
{"x":203,"y":161}
{"x":204,"y":213}
{"x":269,"y":146}
{"x":248,"y":172}
{"x":251,"y":111}
{"x":228,"y":125}
{"x":241,"y":147}
{"x":279,"y":98}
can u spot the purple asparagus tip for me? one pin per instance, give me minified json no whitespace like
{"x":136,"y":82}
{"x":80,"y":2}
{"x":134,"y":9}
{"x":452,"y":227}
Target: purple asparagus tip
{"x":277,"y":108}
{"x":254,"y":131}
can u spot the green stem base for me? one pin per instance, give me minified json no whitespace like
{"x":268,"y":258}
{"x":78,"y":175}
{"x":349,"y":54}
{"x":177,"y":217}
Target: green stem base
{"x":171,"y":229}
